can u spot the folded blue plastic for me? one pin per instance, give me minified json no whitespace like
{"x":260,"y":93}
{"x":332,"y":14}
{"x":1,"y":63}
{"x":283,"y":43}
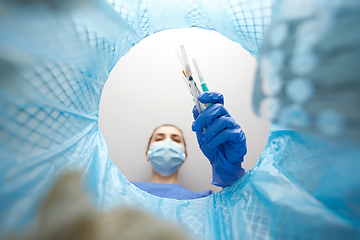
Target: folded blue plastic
{"x":56,"y":57}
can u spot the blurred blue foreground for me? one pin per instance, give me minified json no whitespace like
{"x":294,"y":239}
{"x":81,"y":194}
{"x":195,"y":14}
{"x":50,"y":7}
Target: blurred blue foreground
{"x":55,"y":57}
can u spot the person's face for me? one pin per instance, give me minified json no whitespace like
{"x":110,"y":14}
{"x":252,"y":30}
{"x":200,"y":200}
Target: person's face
{"x":165,"y":132}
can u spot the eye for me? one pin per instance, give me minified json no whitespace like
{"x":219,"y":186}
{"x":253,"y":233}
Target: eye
{"x":177,"y":140}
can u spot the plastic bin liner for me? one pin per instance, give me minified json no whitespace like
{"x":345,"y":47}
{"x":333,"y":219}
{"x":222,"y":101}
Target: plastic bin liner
{"x":55,"y":59}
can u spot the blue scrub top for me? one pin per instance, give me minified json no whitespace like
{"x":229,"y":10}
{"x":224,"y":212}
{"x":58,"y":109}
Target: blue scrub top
{"x":174,"y":191}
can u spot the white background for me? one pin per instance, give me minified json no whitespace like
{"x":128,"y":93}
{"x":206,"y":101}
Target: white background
{"x":146,"y":89}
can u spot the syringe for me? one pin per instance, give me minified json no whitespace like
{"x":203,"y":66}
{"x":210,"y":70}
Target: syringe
{"x":202,"y":82}
{"x":186,"y":62}
{"x":195,"y":93}
{"x":194,"y":90}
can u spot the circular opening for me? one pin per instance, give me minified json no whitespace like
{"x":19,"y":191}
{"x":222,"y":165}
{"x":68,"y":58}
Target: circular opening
{"x":146,"y":89}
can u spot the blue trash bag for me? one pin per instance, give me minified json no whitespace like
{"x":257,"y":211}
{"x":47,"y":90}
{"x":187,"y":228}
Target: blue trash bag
{"x":57,"y":55}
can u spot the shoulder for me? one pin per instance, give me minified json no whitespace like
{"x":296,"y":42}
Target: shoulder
{"x":174,"y":191}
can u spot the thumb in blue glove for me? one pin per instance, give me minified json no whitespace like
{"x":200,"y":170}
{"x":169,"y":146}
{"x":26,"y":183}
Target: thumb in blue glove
{"x":223,"y":142}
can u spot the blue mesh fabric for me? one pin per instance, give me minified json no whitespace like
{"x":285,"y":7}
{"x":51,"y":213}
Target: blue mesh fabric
{"x":56,"y":57}
{"x":308,"y":77}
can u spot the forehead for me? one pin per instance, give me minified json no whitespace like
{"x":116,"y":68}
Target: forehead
{"x":167,"y":130}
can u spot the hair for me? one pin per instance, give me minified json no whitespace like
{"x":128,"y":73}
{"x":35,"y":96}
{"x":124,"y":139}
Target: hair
{"x":169,"y":125}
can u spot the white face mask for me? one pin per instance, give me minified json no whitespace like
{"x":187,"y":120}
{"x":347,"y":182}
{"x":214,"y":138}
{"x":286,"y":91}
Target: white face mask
{"x":166,"y":156}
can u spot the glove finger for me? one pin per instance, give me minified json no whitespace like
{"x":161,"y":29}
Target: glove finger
{"x":236,"y":136}
{"x":208,"y":115}
{"x":195,"y":112}
{"x":219,"y":124}
{"x":211,"y":97}
{"x":200,"y":137}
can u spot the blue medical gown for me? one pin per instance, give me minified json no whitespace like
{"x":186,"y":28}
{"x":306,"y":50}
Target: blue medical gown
{"x":303,"y":187}
{"x":174,"y":191}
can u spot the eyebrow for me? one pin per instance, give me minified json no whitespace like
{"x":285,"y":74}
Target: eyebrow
{"x":159,"y":134}
{"x":172,"y":135}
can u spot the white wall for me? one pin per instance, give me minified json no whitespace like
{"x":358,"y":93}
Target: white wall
{"x":145,"y":90}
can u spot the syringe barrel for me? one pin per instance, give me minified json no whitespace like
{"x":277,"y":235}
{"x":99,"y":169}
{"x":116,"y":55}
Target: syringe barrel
{"x":204,"y":87}
{"x":195,"y":94}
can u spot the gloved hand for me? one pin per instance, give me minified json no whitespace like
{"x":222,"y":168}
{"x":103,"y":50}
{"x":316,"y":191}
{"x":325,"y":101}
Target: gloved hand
{"x":223,"y":141}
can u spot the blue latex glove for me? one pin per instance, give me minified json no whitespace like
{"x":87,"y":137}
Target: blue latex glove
{"x":224,"y":142}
